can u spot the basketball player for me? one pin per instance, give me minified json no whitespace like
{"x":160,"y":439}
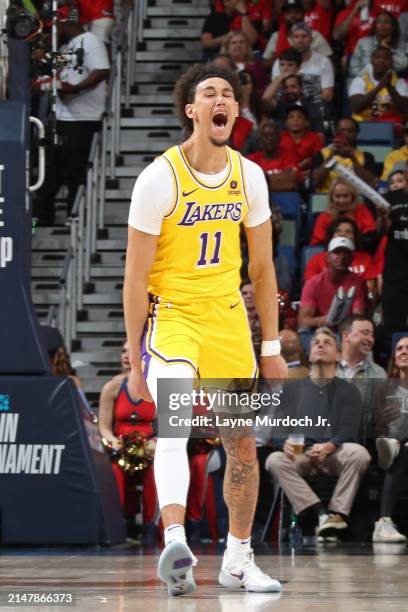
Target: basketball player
{"x":182,"y":276}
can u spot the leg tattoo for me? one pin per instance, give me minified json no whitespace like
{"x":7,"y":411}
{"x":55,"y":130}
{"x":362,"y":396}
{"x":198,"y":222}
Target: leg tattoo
{"x":241,"y":484}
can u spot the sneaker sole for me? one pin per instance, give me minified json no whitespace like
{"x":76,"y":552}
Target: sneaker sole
{"x":389,"y":541}
{"x":230,"y":582}
{"x":324,"y":532}
{"x":175,"y":569}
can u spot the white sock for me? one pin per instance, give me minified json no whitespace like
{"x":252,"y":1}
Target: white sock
{"x":237,"y":548}
{"x":175,"y":533}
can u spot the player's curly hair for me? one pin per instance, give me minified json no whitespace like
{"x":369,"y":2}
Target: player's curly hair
{"x":185,"y":89}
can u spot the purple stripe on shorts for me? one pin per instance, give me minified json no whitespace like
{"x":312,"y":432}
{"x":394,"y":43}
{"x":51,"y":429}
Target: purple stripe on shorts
{"x":146,"y":357}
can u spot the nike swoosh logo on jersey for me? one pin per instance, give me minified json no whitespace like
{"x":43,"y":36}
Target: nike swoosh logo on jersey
{"x":234,"y":305}
{"x":189,"y":192}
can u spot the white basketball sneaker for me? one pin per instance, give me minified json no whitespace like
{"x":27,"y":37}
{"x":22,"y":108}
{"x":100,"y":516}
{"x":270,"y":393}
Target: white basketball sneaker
{"x":175,"y":568}
{"x":247,"y":575}
{"x":385,"y":531}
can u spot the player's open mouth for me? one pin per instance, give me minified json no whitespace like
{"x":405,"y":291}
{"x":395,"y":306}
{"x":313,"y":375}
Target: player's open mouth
{"x":220,"y":120}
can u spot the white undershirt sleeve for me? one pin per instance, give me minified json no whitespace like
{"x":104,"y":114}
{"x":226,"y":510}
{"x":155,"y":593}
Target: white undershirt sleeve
{"x":152,"y":197}
{"x":258,"y":194}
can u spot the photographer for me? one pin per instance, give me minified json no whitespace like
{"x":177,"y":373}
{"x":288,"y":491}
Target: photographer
{"x":80,"y":105}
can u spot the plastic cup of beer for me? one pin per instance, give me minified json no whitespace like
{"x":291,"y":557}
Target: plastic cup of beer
{"x":298,"y":443}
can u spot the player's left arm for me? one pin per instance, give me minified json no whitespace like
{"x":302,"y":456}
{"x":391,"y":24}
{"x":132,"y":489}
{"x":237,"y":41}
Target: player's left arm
{"x":262,"y":274}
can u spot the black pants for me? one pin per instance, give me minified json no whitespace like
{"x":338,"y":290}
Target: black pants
{"x":66,"y":164}
{"x":394,"y":480}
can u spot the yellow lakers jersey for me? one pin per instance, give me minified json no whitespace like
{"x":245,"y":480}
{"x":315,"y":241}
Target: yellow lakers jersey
{"x":198,"y":254}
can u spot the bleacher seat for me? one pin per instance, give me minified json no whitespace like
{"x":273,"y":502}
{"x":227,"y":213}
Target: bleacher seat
{"x":317,"y":204}
{"x":288,"y":235}
{"x":379,"y":151}
{"x":288,"y":251}
{"x":376,"y":132}
{"x":307,"y":253}
{"x":288,"y":202}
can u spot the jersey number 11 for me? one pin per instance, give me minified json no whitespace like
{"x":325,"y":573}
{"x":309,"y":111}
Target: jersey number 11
{"x":215,"y":259}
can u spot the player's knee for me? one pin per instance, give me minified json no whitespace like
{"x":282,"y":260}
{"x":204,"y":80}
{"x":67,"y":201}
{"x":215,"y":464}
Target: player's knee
{"x":274,"y":462}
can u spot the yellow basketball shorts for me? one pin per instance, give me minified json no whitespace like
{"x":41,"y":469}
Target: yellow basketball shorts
{"x":213,"y":337}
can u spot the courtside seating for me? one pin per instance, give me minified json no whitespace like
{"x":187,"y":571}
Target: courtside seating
{"x":376,"y":132}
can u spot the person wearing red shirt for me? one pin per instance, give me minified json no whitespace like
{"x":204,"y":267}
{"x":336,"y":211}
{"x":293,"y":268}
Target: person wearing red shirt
{"x":319,"y":291}
{"x":353,"y":23}
{"x":279,"y":175}
{"x":343,"y":203}
{"x":259,"y":11}
{"x":396,"y":7}
{"x":217,"y":25}
{"x":298,"y":145}
{"x":319,"y":16}
{"x":98,"y":17}
{"x":362,"y":264}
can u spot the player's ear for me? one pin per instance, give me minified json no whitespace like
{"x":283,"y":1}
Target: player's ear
{"x":236,"y":109}
{"x":190,"y":111}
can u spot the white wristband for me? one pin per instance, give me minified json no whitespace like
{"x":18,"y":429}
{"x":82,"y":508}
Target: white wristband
{"x":270,"y":348}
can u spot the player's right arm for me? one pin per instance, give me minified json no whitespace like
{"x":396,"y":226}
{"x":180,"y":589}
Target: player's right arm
{"x":152,"y":197}
{"x":139,"y":260}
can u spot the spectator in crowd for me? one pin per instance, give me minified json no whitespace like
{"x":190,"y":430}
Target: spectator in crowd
{"x":396,"y":7}
{"x":293,"y":13}
{"x":329,"y":451}
{"x":260,"y":13}
{"x":313,"y":63}
{"x":238,"y":47}
{"x":217,"y":26}
{"x":396,"y":178}
{"x":279,"y":175}
{"x":399,"y":155}
{"x":403,"y":24}
{"x":319,"y":291}
{"x":352,"y":23}
{"x":392,"y":448}
{"x":377,"y":94}
{"x":385,"y":33}
{"x":345,"y":152}
{"x":97,"y":17}
{"x":342,"y":202}
{"x":80,"y":105}
{"x":395,"y":276}
{"x":290,"y":62}
{"x":225,"y":61}
{"x":120,"y":415}
{"x":293,"y":353}
{"x":319,"y":16}
{"x":298,"y":145}
{"x":250,"y":105}
{"x":292,"y":93}
{"x":357,"y":366}
{"x":363,"y":264}
{"x":58,"y":355}
{"x":357,"y":341}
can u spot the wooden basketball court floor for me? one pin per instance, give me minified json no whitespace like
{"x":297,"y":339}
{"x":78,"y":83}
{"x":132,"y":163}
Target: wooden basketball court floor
{"x":345,"y":578}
